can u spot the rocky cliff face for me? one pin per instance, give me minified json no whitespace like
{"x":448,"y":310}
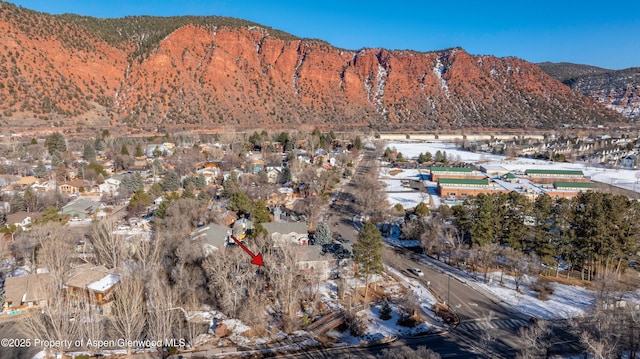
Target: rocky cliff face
{"x":209,"y":74}
{"x":617,"y":90}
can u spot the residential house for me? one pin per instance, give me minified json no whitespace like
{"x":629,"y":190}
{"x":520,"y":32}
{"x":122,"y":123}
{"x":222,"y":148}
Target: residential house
{"x":27,"y":181}
{"x":22,"y":219}
{"x":72,"y":187}
{"x":93,"y":283}
{"x":24,"y":292}
{"x":213,"y":237}
{"x":274,"y":171}
{"x":80,"y":208}
{"x":242,"y":228}
{"x":211,"y":172}
{"x":312,"y":261}
{"x":287,"y":233}
{"x":110,"y":185}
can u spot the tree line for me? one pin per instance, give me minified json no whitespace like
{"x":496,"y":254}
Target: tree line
{"x":595,"y":233}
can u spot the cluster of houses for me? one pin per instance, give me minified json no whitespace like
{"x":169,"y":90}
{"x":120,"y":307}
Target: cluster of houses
{"x":88,"y":203}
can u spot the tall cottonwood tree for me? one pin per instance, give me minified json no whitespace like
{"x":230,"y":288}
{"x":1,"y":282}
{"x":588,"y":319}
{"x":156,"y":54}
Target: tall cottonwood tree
{"x":108,"y":246}
{"x":128,"y":318}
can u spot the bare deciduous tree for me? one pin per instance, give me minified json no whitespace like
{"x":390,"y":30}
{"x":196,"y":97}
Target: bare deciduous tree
{"x":370,"y":198}
{"x":162,"y":310}
{"x":407,"y":353}
{"x":108,"y":246}
{"x":128,"y":313}
{"x":534,"y":339}
{"x":90,"y":322}
{"x":52,"y":321}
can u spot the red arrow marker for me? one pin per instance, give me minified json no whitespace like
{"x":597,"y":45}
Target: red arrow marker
{"x":257,"y":258}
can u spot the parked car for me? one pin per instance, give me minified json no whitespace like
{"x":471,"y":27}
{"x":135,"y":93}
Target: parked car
{"x":416,"y":271}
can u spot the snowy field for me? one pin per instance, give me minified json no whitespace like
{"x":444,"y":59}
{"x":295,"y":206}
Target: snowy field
{"x":623,"y":178}
{"x":566,"y":301}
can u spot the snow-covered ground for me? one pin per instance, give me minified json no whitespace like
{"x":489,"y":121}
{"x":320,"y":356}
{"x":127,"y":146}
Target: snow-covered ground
{"x":566,"y":301}
{"x":624,"y":178}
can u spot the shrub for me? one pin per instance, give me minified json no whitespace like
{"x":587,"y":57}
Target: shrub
{"x":385,"y":311}
{"x":543,"y":288}
{"x":357,"y":326}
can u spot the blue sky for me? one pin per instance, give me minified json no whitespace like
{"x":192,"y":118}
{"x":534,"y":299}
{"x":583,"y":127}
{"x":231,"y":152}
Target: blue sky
{"x":605,"y":34}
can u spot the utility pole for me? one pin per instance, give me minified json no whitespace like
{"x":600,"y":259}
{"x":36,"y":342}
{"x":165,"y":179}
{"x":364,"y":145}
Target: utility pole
{"x":448,"y":291}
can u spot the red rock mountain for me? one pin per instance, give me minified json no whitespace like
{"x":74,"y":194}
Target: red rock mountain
{"x":213,"y":72}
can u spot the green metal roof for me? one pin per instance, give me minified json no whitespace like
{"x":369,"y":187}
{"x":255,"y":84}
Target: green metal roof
{"x":556,"y":172}
{"x":450,"y":169}
{"x":463,"y":181}
{"x":581,"y":185}
{"x":510,"y":176}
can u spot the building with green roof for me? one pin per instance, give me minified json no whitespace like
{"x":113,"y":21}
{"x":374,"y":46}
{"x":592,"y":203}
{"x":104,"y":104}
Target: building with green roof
{"x":466,"y":187}
{"x":438,"y":172}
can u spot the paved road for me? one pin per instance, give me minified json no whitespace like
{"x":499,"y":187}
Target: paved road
{"x":487,"y":327}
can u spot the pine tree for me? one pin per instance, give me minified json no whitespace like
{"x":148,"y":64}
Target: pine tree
{"x":439,"y":157}
{"x":357,"y":143}
{"x":98,"y":144}
{"x":89,"y":153}
{"x":428,"y":157}
{"x":230,"y":185}
{"x":240,"y":202}
{"x":55,"y":143}
{"x":421,"y":209}
{"x":17,"y":203}
{"x":40,"y":171}
{"x":139,"y":201}
{"x":368,"y":253}
{"x":187,"y":193}
{"x":323,"y":234}
{"x":170,"y":181}
{"x":124,"y":150}
{"x":139,"y":152}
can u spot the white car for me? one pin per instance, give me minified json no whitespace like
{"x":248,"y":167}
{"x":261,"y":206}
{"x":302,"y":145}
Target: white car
{"x":416,"y":271}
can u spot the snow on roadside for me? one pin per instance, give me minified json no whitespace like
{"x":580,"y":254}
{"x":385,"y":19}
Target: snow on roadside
{"x":566,"y":301}
{"x":426,"y":300}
